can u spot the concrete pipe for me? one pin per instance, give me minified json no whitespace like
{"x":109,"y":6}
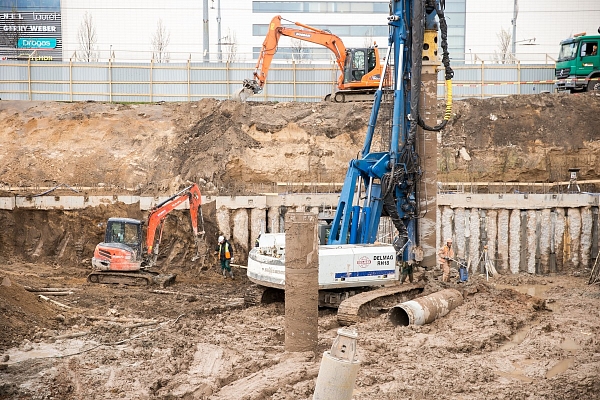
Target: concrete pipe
{"x":339,"y":368}
{"x":426,"y":309}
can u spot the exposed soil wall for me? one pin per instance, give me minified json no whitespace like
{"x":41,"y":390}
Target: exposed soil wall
{"x":158,"y":147}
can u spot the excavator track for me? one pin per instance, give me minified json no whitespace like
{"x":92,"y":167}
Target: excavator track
{"x":131,"y":278}
{"x":351,"y":96}
{"x":371,"y":303}
{"x":257,"y":294}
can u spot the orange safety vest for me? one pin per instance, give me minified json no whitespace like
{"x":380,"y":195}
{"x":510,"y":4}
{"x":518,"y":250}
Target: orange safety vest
{"x":227,"y":251}
{"x":445,"y":251}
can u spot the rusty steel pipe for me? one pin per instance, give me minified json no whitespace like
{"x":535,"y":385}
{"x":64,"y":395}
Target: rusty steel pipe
{"x":424,"y":310}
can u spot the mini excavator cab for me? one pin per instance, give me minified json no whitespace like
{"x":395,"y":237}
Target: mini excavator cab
{"x":125,"y":231}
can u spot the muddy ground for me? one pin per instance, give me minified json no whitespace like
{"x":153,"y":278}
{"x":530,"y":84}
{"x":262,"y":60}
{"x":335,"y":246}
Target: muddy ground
{"x":517,"y":337}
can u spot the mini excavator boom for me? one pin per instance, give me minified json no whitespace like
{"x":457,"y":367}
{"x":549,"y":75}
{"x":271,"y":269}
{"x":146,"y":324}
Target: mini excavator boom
{"x":124,"y":257}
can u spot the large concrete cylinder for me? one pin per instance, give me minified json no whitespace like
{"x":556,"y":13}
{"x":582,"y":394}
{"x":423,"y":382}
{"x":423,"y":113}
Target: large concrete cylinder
{"x":339,"y":368}
{"x":301,"y":282}
{"x":426,"y":309}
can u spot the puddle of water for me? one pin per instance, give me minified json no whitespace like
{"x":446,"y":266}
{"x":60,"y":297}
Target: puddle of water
{"x":531,"y":290}
{"x":514,"y":375}
{"x":44,"y":350}
{"x":560,"y":367}
{"x":518,"y":337}
{"x":569,"y":345}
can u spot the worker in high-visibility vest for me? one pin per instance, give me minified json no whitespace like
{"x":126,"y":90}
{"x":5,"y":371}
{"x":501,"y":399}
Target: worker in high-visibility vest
{"x":445,"y":254}
{"x":224,"y":250}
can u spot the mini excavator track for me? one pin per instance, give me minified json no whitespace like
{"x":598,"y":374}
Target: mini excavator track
{"x":142,"y":278}
{"x":371,"y":303}
{"x":257,"y":294}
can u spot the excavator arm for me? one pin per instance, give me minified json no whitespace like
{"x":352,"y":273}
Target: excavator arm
{"x":160,"y":212}
{"x":308,"y":34}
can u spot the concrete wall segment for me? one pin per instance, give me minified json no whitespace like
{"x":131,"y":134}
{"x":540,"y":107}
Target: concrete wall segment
{"x":459,"y":237}
{"x":503,"y":239}
{"x":531,"y":241}
{"x":474,"y":248}
{"x":237,"y":202}
{"x":241,"y":232}
{"x":223,"y":222}
{"x":514,"y":241}
{"x":547,"y":225}
{"x":517,"y":201}
{"x":491,"y":226}
{"x":586,"y":237}
{"x":573,"y":236}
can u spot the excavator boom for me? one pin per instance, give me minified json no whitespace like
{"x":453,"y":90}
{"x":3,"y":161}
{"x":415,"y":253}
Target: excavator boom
{"x":160,"y":212}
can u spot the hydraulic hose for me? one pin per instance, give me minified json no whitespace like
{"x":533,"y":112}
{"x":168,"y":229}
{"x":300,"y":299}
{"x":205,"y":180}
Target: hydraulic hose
{"x":448,"y":72}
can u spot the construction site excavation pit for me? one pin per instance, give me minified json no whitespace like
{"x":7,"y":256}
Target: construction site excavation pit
{"x":200,"y":339}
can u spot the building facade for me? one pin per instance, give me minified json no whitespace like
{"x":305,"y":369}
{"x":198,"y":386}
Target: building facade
{"x":219,"y":30}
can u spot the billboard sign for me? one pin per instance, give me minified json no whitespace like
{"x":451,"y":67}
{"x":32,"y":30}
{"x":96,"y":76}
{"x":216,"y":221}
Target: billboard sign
{"x":36,"y":43}
{"x":31,"y":30}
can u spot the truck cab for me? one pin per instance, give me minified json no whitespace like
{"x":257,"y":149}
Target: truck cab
{"x":578,"y":64}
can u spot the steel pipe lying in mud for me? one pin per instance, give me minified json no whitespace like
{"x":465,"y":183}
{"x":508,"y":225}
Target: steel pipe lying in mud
{"x":426,"y":309}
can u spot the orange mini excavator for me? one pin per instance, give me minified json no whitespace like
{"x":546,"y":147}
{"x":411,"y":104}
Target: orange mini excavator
{"x":123,"y":258}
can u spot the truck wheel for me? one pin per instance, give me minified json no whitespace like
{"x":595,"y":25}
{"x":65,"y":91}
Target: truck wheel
{"x":594,"y":85}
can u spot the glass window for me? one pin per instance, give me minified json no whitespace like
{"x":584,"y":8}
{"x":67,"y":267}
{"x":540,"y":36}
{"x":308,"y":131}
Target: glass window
{"x":381,"y":8}
{"x":362,"y":8}
{"x":455,"y":6}
{"x":567,"y":51}
{"x":321,"y":7}
{"x":339,"y":30}
{"x":455,"y":19}
{"x":589,"y":49}
{"x":30,"y":5}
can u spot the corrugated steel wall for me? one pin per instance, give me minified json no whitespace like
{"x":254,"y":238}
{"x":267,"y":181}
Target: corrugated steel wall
{"x":149,"y":82}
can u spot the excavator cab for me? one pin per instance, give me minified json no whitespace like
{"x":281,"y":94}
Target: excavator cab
{"x":125,"y":231}
{"x":359,"y":62}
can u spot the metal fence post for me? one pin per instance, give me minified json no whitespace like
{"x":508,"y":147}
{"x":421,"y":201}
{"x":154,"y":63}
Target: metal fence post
{"x":70,"y":80}
{"x":482,"y":79}
{"x":518,"y":77}
{"x":189,"y":78}
{"x":294,"y":71}
{"x":227,"y":66}
{"x":151,"y":72}
{"x":110,"y":80}
{"x":29,"y":78}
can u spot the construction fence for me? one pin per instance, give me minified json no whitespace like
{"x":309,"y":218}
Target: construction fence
{"x":193,"y":81}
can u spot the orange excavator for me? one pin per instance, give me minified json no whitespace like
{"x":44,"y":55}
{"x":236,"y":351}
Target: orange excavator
{"x":360,"y":67}
{"x":123,"y":258}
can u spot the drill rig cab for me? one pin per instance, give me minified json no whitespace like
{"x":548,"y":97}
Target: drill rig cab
{"x":125,"y":257}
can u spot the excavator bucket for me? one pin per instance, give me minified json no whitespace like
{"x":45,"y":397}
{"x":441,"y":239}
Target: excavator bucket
{"x":242,"y":94}
{"x":164,"y":280}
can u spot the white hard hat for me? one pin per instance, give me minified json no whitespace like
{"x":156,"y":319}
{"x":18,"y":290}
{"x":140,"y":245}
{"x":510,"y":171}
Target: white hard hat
{"x":221,"y":238}
{"x":449,"y":240}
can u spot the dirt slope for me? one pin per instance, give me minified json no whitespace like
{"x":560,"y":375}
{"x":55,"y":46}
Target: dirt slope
{"x":228,"y":144}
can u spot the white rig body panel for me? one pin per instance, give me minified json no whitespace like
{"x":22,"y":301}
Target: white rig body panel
{"x":340,"y":266}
